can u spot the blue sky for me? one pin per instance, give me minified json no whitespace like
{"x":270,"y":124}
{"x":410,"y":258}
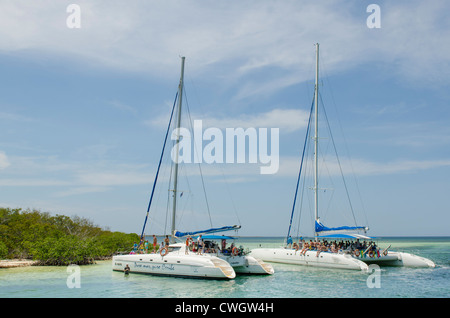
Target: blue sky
{"x":83,"y":111}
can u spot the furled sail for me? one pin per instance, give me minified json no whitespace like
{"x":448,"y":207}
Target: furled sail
{"x":322,"y":228}
{"x":212,"y":230}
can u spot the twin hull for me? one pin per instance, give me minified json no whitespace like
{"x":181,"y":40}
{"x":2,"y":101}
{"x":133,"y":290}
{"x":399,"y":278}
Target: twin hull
{"x":247,"y":264}
{"x":341,"y":261}
{"x":399,"y":259}
{"x":201,"y":266}
{"x":310,"y":258}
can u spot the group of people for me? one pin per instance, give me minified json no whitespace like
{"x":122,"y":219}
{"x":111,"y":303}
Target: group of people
{"x":144,"y":245}
{"x":357,"y":248}
{"x":201,"y":246}
{"x":198,"y":246}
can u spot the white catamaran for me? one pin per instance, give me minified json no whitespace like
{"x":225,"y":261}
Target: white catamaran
{"x":355,"y":256}
{"x":310,"y":257}
{"x":237,"y":257}
{"x":174,"y":260}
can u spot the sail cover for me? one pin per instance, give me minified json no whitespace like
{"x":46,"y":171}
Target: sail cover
{"x":346,"y":236}
{"x":322,"y":228}
{"x":213,"y":230}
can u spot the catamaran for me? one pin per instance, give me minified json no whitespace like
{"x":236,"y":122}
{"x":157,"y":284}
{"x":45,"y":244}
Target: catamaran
{"x":174,"y":259}
{"x":237,"y":257}
{"x":310,"y":257}
{"x":371,"y":254}
{"x":353,"y":256}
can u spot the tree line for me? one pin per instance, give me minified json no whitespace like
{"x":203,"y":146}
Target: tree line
{"x":57,"y":240}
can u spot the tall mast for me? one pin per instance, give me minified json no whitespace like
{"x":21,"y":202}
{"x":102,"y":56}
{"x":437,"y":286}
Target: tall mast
{"x":316,"y":140}
{"x":175,"y":180}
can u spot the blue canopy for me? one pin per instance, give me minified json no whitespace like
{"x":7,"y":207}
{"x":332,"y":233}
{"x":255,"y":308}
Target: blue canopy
{"x":213,"y":230}
{"x":322,"y":228}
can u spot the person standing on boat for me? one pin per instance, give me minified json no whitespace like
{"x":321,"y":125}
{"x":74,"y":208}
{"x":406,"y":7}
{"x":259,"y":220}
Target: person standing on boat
{"x":289,"y":242}
{"x":224,"y":244}
{"x":301,"y":241}
{"x":199,"y":244}
{"x":155,"y":242}
{"x":188,"y":243}
{"x":166,"y":241}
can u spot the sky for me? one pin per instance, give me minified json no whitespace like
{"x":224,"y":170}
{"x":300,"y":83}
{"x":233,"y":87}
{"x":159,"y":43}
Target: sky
{"x":86,"y":95}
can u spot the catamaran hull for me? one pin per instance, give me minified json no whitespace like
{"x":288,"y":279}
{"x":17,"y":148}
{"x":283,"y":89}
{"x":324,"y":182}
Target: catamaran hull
{"x":399,"y":259}
{"x":196,"y":266}
{"x":247,"y":264}
{"x":310,"y":258}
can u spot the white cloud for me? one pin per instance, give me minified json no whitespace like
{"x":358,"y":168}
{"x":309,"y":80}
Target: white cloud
{"x":80,"y":191}
{"x":4,"y":162}
{"x":360,"y":167}
{"x":234,"y":39}
{"x":287,"y":120}
{"x":33,"y":182}
{"x":14,"y":117}
{"x":117,"y":178}
{"x":407,"y":166}
{"x":81,"y":176}
{"x":123,"y":107}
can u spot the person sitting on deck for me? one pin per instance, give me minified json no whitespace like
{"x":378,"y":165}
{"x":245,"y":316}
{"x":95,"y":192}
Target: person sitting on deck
{"x":305,"y":248}
{"x":322,"y":247}
{"x":334,"y":248}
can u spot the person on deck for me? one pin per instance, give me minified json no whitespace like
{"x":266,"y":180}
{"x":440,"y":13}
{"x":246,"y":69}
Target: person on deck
{"x":200,"y":245}
{"x":305,"y":248}
{"x":188,"y":243}
{"x":224,"y":244}
{"x":289,"y":242}
{"x":166,"y":241}
{"x":155,"y":242}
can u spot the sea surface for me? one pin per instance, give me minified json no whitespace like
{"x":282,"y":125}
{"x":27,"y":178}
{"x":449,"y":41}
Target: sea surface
{"x":289,"y":281}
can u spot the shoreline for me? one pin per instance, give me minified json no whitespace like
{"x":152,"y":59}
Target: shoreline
{"x":11,"y":263}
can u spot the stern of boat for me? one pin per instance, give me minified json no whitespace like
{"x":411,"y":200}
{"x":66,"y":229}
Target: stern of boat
{"x":224,"y":266}
{"x":400,"y":259}
{"x":254,"y":266}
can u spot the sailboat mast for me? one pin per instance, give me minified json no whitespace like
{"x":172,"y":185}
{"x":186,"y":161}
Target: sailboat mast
{"x":175,"y":180}
{"x":316,"y":140}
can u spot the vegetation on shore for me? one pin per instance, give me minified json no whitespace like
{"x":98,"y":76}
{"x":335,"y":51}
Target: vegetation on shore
{"x":57,"y":240}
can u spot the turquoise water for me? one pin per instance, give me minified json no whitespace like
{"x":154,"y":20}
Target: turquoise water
{"x":99,"y":281}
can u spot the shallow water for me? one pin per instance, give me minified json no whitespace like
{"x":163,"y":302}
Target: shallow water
{"x":289,"y":281}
